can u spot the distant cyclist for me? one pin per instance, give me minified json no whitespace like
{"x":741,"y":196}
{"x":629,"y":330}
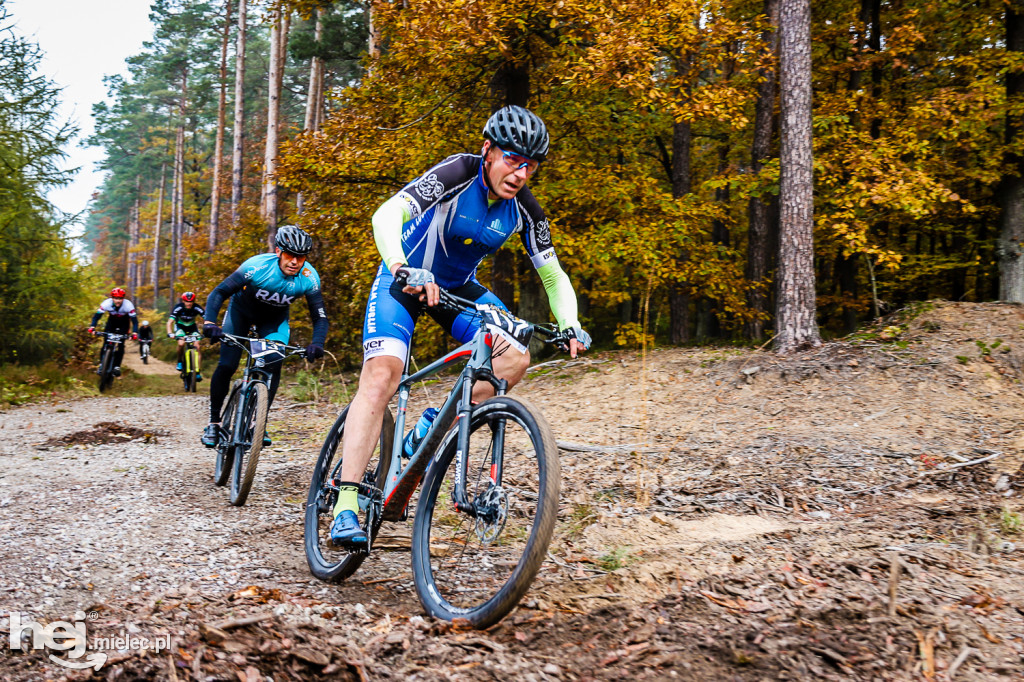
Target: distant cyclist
{"x":261,"y":291}
{"x":145,"y":333}
{"x":120,"y":315}
{"x":437,"y":230}
{"x":184,"y":320}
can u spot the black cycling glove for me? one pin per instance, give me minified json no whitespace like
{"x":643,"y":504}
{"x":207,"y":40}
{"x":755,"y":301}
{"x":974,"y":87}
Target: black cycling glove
{"x":314,"y":351}
{"x":212,"y":331}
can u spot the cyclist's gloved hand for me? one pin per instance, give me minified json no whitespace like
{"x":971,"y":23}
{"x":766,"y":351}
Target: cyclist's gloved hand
{"x":171,"y":336}
{"x":92,"y":330}
{"x":582,"y":337}
{"x":135,"y":337}
{"x":212,"y":331}
{"x":314,"y":351}
{"x":414,"y":277}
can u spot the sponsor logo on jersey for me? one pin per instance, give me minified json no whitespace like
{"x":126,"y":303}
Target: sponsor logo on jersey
{"x":543,"y":232}
{"x":495,"y":226}
{"x":429,"y":187}
{"x":306,"y":272}
{"x":273,"y":297}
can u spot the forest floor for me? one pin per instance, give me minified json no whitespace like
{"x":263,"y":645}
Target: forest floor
{"x":851,"y":512}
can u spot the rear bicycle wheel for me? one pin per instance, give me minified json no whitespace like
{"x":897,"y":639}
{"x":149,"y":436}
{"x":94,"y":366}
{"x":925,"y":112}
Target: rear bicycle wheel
{"x":479,"y":568}
{"x":325,"y":561}
{"x":225,"y":449}
{"x":243,"y":471}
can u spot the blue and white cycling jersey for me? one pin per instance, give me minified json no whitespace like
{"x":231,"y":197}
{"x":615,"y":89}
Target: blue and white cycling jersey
{"x":453,"y":228}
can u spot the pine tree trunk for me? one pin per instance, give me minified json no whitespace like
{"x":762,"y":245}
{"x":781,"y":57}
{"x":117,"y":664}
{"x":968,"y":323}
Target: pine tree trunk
{"x":796,"y":326}
{"x":1010,"y":246}
{"x":313,"y":96}
{"x":134,"y":277}
{"x":218,"y":152}
{"x":759,"y":254}
{"x":679,"y":292}
{"x":373,"y":46}
{"x":177,"y":208}
{"x":238,"y":131}
{"x":278,"y":42}
{"x":156,"y":235}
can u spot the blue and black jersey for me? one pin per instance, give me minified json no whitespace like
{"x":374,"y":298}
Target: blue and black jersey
{"x":260,"y":291}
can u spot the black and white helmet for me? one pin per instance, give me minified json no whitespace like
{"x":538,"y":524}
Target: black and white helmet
{"x":293,"y":240}
{"x":520,"y":130}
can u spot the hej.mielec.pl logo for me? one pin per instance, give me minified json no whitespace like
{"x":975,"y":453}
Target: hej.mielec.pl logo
{"x":71,"y":637}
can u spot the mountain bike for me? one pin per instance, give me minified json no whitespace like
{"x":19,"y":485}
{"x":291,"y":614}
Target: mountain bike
{"x":487,"y":509}
{"x":144,"y":351}
{"x":244,"y":421}
{"x":106,"y":369}
{"x":190,"y":363}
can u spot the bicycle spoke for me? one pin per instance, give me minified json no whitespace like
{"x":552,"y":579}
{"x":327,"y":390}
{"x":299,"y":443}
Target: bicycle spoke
{"x":472,"y":558}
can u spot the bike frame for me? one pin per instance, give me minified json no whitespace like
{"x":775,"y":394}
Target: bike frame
{"x":191,"y":352}
{"x":111,"y":341}
{"x":252,"y":373}
{"x":402,"y":481}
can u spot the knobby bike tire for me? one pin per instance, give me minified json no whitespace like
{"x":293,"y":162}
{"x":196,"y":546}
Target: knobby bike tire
{"x":255,"y":403}
{"x":487,"y":566}
{"x":144,"y":352}
{"x":325,"y":561}
{"x":193,"y":368}
{"x":226,"y":451}
{"x":106,"y":368}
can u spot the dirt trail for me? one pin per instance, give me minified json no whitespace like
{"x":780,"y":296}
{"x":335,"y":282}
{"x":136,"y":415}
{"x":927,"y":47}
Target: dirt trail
{"x":155,"y":365}
{"x":725,"y":515}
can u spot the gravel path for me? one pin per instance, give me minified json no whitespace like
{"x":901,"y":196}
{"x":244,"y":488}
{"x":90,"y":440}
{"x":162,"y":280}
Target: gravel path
{"x":86,"y":524}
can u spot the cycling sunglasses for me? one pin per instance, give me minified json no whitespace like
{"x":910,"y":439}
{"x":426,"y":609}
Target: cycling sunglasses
{"x":518,"y":161}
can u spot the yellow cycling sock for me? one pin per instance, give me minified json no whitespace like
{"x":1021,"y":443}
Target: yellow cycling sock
{"x":348,"y":498}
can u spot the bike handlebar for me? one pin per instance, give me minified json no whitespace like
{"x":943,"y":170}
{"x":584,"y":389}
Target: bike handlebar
{"x":243,"y":342}
{"x":547,"y":333}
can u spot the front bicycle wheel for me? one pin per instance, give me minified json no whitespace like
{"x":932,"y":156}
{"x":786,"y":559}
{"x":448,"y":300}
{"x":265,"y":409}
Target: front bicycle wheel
{"x":243,"y":471}
{"x":144,"y":352}
{"x":225,"y":447}
{"x":478,"y":568}
{"x":193,"y":368}
{"x":106,"y":369}
{"x":327,"y":562}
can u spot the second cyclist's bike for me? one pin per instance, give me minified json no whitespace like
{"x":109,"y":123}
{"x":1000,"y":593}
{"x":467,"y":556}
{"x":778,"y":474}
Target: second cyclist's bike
{"x":490,"y":472}
{"x":144,"y":351}
{"x":106,"y":369}
{"x":244,"y":421}
{"x":190,"y":361}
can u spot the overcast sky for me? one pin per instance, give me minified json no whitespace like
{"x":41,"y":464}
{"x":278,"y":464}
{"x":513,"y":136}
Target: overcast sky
{"x":83,"y":41}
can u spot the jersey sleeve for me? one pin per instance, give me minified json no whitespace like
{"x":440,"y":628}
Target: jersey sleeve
{"x":387,"y":230}
{"x":444,"y":179}
{"x":536,"y":236}
{"x":536,"y":231}
{"x":232,"y":284}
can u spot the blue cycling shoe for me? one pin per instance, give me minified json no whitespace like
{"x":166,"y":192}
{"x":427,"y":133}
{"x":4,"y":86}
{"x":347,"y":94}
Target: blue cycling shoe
{"x":345,"y":532}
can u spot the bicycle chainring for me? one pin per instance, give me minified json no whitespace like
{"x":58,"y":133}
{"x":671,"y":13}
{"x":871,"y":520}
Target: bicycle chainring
{"x":492,"y":512}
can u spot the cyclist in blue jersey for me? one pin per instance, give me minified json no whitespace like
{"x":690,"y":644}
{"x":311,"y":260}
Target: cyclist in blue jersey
{"x":438,"y":229}
{"x":261,"y":291}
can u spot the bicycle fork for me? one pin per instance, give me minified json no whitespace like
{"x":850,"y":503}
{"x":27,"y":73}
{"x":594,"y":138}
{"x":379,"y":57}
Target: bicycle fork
{"x":473,"y":507}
